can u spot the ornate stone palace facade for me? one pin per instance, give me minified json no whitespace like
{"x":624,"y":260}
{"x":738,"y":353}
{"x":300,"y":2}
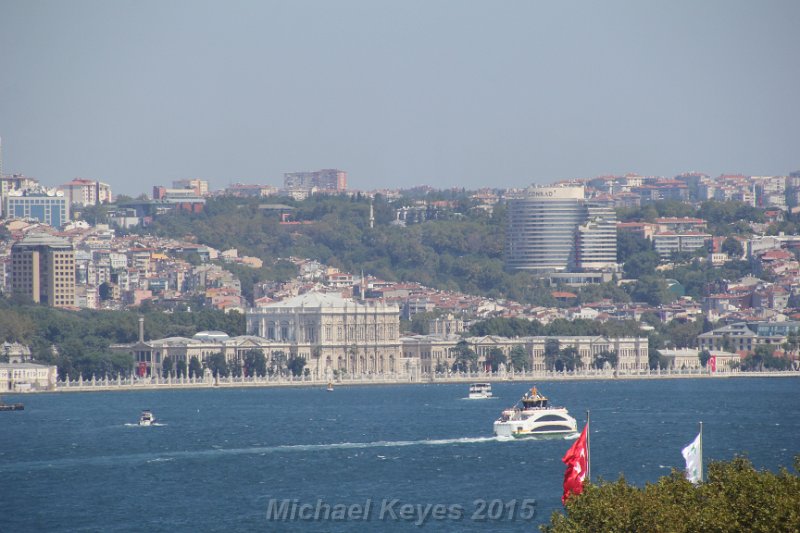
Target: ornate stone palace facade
{"x":434,"y":351}
{"x":335,"y":333}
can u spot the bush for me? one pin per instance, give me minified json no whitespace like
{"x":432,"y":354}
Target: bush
{"x":736,"y":497}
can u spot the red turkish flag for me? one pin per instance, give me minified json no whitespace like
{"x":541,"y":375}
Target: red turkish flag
{"x":576,"y":460}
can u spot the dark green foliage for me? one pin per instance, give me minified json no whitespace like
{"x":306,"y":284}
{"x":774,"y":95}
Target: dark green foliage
{"x":495,"y":358}
{"x":78,"y":342}
{"x":466,"y":359}
{"x":696,"y":276}
{"x":733,"y":248}
{"x":195,"y":368}
{"x":651,"y":289}
{"x":167,"y":366}
{"x":629,"y":244}
{"x":519,"y":358}
{"x":604,"y":357}
{"x":763,"y":358}
{"x":641,"y":264}
{"x":255,"y":363}
{"x":704,"y":356}
{"x":736,"y":497}
{"x":218,"y":365}
{"x":295,"y":364}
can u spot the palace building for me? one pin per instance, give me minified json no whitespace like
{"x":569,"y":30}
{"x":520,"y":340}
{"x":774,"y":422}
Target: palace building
{"x":335,"y":333}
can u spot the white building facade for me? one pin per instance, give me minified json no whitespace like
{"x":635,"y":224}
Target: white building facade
{"x":335,"y":333}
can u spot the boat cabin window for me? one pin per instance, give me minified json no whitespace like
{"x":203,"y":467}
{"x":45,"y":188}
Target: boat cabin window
{"x":551,"y":418}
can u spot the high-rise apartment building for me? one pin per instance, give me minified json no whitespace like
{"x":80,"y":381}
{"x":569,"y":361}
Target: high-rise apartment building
{"x":596,"y":240}
{"x":325,"y":180}
{"x":557,"y":229}
{"x":43,"y":269}
{"x":86,"y":192}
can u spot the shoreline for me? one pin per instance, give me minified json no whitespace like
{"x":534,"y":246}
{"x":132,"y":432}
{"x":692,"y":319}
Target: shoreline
{"x":232,"y":383}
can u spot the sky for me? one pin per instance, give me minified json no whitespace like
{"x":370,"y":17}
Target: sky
{"x":448,"y":93}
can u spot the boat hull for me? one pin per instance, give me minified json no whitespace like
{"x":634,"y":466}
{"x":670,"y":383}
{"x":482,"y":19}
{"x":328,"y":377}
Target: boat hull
{"x":535,"y":423}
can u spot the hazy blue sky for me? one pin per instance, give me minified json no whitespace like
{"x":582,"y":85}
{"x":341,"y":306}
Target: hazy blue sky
{"x":447,"y":93}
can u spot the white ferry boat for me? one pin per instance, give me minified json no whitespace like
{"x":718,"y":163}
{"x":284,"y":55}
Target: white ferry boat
{"x":147,"y":418}
{"x":534,"y":417}
{"x":480,"y":391}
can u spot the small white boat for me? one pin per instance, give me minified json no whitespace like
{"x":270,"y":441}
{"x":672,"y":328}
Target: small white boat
{"x":480,"y":391}
{"x":330,"y":386}
{"x":534,"y":417}
{"x":146,"y":418}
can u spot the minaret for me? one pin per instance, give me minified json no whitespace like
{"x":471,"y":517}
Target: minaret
{"x":371,"y":216}
{"x":141,"y":329}
{"x":363,"y":286}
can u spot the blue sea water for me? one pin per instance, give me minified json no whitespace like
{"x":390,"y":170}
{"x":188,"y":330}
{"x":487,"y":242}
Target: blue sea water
{"x":78,"y":462}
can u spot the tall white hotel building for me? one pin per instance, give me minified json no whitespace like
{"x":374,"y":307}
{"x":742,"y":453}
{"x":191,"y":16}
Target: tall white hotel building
{"x":554,"y":229}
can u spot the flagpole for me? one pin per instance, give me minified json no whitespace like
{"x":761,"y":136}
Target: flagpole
{"x":701,"y":452}
{"x":588,"y":450}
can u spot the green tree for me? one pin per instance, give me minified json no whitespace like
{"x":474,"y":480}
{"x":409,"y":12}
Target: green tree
{"x":296,"y":364}
{"x":652,"y":290}
{"x":569,"y":359}
{"x":195,"y":368}
{"x":255,"y":363}
{"x":495,"y":358}
{"x":519,"y":358}
{"x":704,"y":356}
{"x":180,"y":368}
{"x":641,"y":264}
{"x":466,"y":359}
{"x":552,"y":353}
{"x":733,"y":248}
{"x":167,"y":366}
{"x":218,"y":365}
{"x":605,"y":356}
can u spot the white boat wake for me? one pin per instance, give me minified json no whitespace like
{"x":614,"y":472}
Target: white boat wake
{"x":115,"y":460}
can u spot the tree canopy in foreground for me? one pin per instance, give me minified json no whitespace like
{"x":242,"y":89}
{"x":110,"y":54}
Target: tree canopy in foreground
{"x":736,"y":497}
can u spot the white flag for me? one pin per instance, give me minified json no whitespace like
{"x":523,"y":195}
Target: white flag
{"x":693,"y":454}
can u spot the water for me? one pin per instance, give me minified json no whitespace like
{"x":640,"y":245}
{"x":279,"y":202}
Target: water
{"x":78,"y":462}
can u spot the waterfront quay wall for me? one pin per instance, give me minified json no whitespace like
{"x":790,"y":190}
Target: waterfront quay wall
{"x":156,"y":383}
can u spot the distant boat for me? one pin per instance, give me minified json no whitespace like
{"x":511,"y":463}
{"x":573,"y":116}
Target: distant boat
{"x":147,"y":418}
{"x":330,"y":386}
{"x":480,"y":391}
{"x":11,"y":406}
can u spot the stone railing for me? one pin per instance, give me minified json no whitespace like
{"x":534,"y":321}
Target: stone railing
{"x":157,"y":382}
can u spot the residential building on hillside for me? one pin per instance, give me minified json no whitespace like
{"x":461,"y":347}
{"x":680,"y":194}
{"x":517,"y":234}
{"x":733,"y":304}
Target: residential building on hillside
{"x":198,"y":186}
{"x":328,"y":180}
{"x":43,"y":269}
{"x":668,"y":243}
{"x":86,"y":192}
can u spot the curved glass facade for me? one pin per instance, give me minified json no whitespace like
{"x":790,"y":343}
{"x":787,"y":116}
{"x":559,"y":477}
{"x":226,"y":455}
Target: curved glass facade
{"x":542,"y":226}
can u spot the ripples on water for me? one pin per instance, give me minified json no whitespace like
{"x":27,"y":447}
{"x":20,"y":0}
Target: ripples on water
{"x":78,"y":462}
